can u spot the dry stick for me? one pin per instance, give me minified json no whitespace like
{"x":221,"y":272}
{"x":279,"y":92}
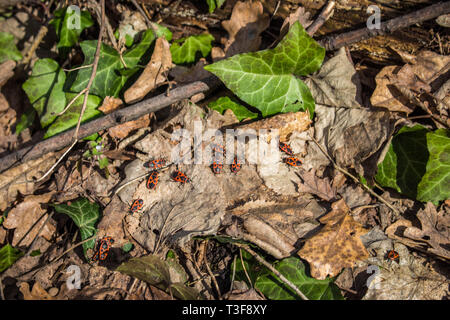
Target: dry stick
{"x":326,"y":14}
{"x":271,"y":268}
{"x":41,"y":34}
{"x":335,"y":42}
{"x":71,"y":102}
{"x":354,"y":178}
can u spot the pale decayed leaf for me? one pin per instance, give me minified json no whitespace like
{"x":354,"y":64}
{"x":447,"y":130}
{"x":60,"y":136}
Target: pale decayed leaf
{"x":314,"y":185}
{"x":337,"y":83}
{"x":337,"y":245}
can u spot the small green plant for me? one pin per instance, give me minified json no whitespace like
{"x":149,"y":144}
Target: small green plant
{"x":95,"y":153}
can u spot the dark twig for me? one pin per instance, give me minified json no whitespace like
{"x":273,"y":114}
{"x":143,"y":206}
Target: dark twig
{"x":334,"y":42}
{"x":326,"y":14}
{"x":132,"y":112}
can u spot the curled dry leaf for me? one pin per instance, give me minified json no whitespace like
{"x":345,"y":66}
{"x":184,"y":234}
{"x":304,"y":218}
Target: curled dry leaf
{"x":110,"y":104}
{"x":36,"y":293}
{"x":337,"y":245}
{"x":154,"y":73}
{"x":434,"y":236}
{"x":247,"y":22}
{"x":16,"y":179}
{"x":123,"y":130}
{"x":24,"y":219}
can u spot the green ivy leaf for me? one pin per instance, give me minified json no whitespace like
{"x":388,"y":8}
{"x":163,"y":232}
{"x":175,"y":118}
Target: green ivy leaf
{"x":224,"y":103}
{"x":268,"y":79}
{"x":108,"y":81}
{"x":103,"y":162}
{"x":70,"y":118}
{"x":8,"y":49}
{"x":247,"y":266}
{"x":26,"y":120}
{"x":213,"y":4}
{"x":69,"y":25}
{"x":186,"y":53}
{"x":85,"y":215}
{"x":8,"y":255}
{"x":294,"y":270}
{"x":45,"y":90}
{"x":435,"y":184}
{"x":127,"y":247}
{"x":417,"y":164}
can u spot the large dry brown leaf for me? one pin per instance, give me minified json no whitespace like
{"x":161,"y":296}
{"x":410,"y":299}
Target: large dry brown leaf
{"x":153,"y":74}
{"x":17,"y":179}
{"x":24,"y":219}
{"x":247,"y":22}
{"x":337,"y":245}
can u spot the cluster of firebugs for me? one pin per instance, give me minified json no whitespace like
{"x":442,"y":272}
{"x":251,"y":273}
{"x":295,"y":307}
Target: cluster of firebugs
{"x":105,"y":243}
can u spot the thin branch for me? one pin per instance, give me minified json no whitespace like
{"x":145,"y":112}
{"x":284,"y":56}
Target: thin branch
{"x":41,"y":34}
{"x":334,"y":42}
{"x":213,"y":278}
{"x":271,"y":268}
{"x":73,"y":247}
{"x":326,"y":14}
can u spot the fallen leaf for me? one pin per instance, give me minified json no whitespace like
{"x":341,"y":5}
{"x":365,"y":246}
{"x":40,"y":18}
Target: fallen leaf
{"x":337,"y":245}
{"x":247,"y":22}
{"x":154,"y":73}
{"x":434,"y":236}
{"x":110,"y":104}
{"x":421,"y":75}
{"x":336,"y":84}
{"x":183,"y":74}
{"x":37,"y":292}
{"x":19,"y":178}
{"x":315,"y":185}
{"x":249,"y":294}
{"x":24,"y":219}
{"x":299,"y":15}
{"x":6,"y":71}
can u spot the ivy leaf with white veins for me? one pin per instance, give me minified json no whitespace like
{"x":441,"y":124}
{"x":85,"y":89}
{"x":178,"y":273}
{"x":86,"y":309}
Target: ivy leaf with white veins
{"x":294,"y":270}
{"x":108,"y":80}
{"x":70,"y":118}
{"x":69,"y":25}
{"x":44,"y":88}
{"x":224,"y":103}
{"x":268,"y":79}
{"x":186,"y":53}
{"x":85,"y":215}
{"x":435,"y":184}
{"x":8,"y":50}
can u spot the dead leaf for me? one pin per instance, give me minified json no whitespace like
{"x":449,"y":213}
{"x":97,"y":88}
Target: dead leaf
{"x":183,"y":74}
{"x":419,"y":76}
{"x":337,"y":245}
{"x":444,"y":20}
{"x":434,"y":236}
{"x":153,"y":74}
{"x":110,"y":104}
{"x":249,"y":294}
{"x":24,"y":219}
{"x":37,"y":292}
{"x":336,"y":84}
{"x":350,"y":136}
{"x":6,"y":71}
{"x":2,"y":235}
{"x":247,"y":22}
{"x":315,"y":185}
{"x":16,"y":179}
{"x":123,"y":130}
{"x":299,"y":15}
